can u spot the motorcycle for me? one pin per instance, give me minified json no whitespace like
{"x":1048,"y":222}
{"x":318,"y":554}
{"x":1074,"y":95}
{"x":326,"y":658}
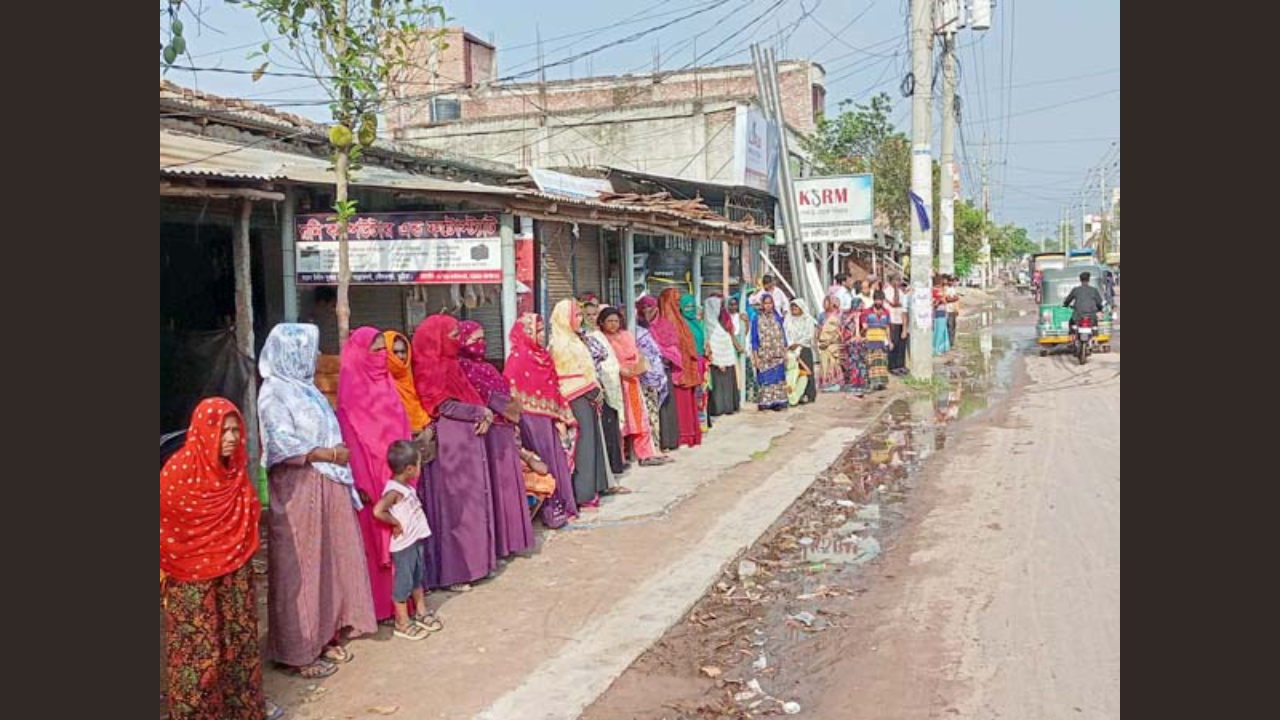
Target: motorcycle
{"x":1085,"y":339}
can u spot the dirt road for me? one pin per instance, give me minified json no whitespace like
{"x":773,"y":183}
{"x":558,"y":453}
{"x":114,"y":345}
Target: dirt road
{"x":998,"y":598}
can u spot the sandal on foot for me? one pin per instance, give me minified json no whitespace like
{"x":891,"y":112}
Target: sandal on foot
{"x":316,"y":671}
{"x":337,"y":655}
{"x":412,"y":631}
{"x":273,"y":711}
{"x":460,"y":588}
{"x":618,"y":490}
{"x":429,"y":622}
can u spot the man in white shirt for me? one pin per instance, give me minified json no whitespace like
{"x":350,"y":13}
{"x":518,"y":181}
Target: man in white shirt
{"x":781,"y":302}
{"x":844,"y":291}
{"x":896,"y":302}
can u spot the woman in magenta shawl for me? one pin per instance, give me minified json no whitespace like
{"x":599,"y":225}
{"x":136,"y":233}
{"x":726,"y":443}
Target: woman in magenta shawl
{"x":513,"y":531}
{"x":371,"y":417}
{"x":668,"y":343}
{"x":545,"y":415}
{"x":455,"y":487}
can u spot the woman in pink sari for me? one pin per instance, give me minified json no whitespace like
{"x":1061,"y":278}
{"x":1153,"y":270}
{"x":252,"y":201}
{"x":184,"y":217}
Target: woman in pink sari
{"x":635,"y":416}
{"x":455,"y":489}
{"x":513,"y":530}
{"x":371,"y":417}
{"x":545,"y":416}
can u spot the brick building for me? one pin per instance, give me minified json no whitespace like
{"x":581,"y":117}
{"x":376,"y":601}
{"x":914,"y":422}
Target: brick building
{"x":690,"y":124}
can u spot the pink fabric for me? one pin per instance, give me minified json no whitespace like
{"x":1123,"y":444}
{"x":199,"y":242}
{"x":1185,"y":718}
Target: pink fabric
{"x":531,"y":372}
{"x":484,"y":377}
{"x":436,"y":371}
{"x":371,"y":417}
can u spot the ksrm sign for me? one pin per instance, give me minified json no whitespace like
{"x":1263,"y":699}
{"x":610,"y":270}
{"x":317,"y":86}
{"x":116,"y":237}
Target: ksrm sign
{"x":835,"y":209}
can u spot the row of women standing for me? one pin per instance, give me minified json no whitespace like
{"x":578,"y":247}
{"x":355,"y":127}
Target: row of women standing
{"x":481,"y":431}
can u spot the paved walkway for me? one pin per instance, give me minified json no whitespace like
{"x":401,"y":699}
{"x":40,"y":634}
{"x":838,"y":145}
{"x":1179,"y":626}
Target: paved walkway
{"x":555,"y":629}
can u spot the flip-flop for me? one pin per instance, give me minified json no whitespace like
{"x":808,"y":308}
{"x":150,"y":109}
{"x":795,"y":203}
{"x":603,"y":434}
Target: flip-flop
{"x":273,"y":711}
{"x":618,"y":490}
{"x":337,"y":655}
{"x":326,"y":669}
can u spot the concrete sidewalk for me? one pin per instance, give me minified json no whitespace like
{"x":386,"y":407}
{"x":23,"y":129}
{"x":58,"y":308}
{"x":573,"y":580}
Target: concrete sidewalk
{"x":554,"y":630}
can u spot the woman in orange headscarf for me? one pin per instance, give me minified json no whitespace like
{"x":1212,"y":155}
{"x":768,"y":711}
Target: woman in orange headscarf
{"x":689,"y":378}
{"x":399,"y":362}
{"x":208,"y":533}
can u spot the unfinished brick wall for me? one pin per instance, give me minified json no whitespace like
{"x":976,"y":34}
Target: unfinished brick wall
{"x":473,"y":62}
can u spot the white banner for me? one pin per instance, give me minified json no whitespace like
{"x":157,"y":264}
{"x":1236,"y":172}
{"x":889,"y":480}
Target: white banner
{"x":755,"y":150}
{"x":836,"y":209}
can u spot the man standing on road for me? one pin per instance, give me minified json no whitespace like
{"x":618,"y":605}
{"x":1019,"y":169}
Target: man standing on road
{"x":1084,"y":300}
{"x":953,"y":308}
{"x":897,"y":318}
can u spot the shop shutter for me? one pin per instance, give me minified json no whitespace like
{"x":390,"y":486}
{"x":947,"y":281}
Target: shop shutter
{"x":490,"y":318}
{"x":380,"y":306}
{"x":572,"y":266}
{"x":587,"y":275}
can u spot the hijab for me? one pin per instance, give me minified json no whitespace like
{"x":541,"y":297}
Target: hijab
{"x":294,"y":416}
{"x":484,"y":377}
{"x":573,"y":361}
{"x":403,"y":377}
{"x":208,"y":511}
{"x":436,"y":370}
{"x":531,"y":372}
{"x":664,"y":333}
{"x":723,"y":352}
{"x":369,"y":411}
{"x":800,"y":328}
{"x":690,"y":374}
{"x":689,"y":310}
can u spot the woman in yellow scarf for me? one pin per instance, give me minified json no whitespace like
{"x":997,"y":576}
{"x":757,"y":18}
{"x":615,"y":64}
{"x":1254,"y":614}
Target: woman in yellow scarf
{"x":398,"y":363}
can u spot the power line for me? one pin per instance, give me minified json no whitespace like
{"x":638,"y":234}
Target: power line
{"x":1053,"y":106}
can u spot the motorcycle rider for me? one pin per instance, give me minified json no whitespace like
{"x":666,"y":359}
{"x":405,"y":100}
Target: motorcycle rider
{"x":1084,"y":301}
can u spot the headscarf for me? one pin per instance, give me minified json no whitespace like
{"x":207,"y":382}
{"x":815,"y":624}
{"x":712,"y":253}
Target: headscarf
{"x":800,"y":329}
{"x":208,"y":511}
{"x":532,"y":373}
{"x":723,"y":352}
{"x":755,"y":328}
{"x":294,"y":416}
{"x":484,"y":377}
{"x":664,"y":333}
{"x":403,"y":377}
{"x":436,"y":371}
{"x":690,"y":374}
{"x":622,"y":342}
{"x":689,"y":310}
{"x":573,"y":361}
{"x":608,"y":369}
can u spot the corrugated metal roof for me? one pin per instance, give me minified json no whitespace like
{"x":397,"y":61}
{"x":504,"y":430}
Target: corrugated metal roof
{"x":190,"y":155}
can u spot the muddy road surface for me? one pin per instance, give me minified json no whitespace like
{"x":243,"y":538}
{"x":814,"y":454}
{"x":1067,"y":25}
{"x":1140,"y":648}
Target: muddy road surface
{"x":961,"y":560}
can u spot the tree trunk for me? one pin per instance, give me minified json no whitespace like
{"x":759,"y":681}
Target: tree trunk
{"x":342,"y":167}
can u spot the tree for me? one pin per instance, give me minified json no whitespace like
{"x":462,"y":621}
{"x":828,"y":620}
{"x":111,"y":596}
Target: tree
{"x":970,"y":224}
{"x":864,"y":140}
{"x":352,"y":48}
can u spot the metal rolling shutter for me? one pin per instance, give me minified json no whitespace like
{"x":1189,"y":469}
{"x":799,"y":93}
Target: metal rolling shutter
{"x":490,"y":318}
{"x":572,"y":265}
{"x":587,"y":275}
{"x":557,"y":254}
{"x":379,"y":306}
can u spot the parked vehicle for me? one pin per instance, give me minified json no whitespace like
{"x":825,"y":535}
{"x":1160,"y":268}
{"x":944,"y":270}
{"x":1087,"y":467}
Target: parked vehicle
{"x":1053,"y":325}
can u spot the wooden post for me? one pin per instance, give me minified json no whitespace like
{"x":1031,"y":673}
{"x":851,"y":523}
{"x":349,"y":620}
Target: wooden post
{"x":629,"y":276}
{"x":509,"y":297}
{"x":724,"y":257}
{"x":244,"y":330}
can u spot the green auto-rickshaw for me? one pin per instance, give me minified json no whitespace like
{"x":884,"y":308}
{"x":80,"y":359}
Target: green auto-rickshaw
{"x":1053,"y":322}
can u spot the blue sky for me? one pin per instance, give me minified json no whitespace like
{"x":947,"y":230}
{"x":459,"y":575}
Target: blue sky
{"x":1042,"y":84}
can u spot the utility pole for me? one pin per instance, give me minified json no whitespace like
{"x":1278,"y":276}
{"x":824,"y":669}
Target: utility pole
{"x":947,"y":246}
{"x":986,"y":214}
{"x":1102,"y":231}
{"x":921,"y":350}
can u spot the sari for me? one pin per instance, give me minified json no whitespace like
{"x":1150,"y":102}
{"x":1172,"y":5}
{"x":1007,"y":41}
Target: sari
{"x":801,"y":331}
{"x":769,"y":343}
{"x":577,"y":373}
{"x":725,"y":397}
{"x":856,"y":352}
{"x":832,"y":353}
{"x":635,"y":415}
{"x":690,"y":377}
{"x":371,"y":417}
{"x":531,"y":373}
{"x":667,"y":341}
{"x":689,"y":311}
